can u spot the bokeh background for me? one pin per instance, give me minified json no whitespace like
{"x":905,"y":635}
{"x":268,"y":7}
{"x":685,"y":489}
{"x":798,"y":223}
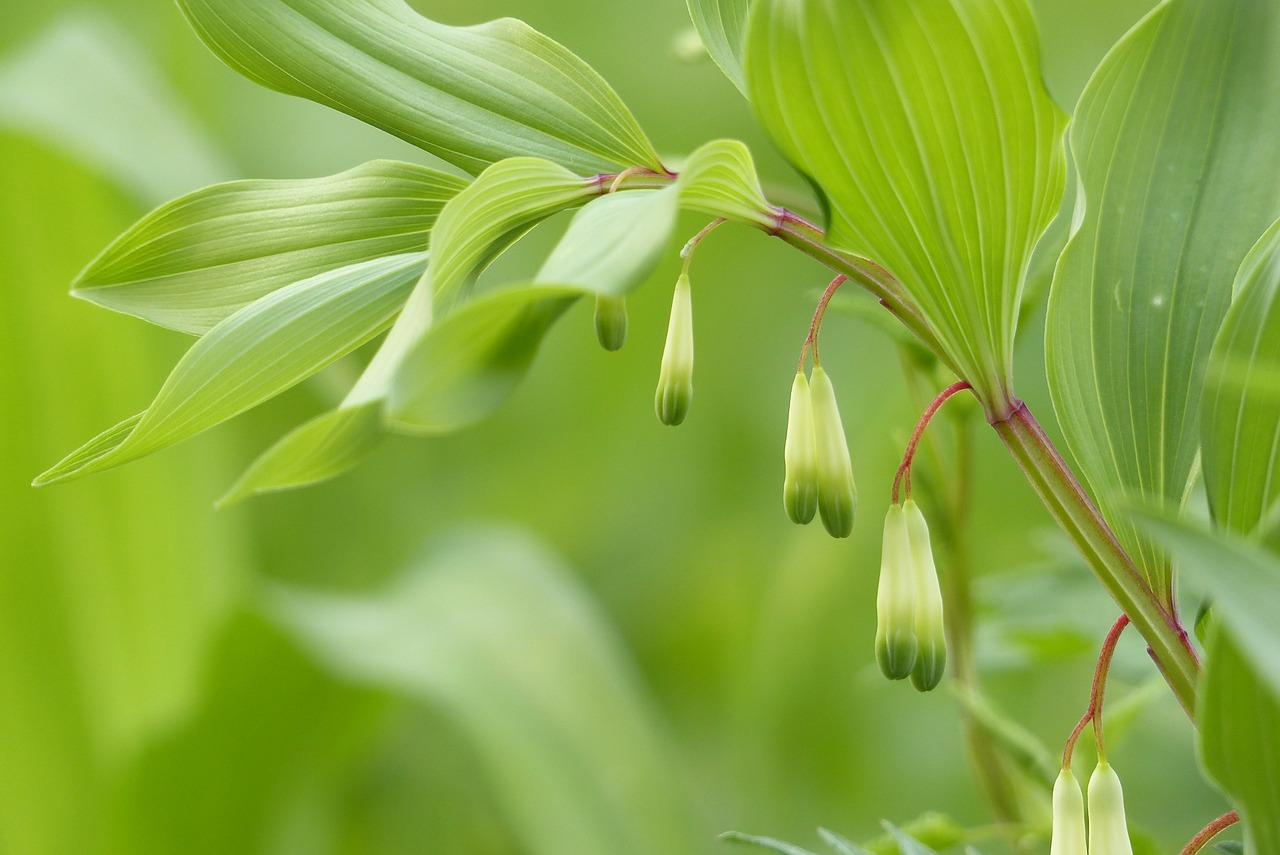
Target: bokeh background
{"x":568,"y":630}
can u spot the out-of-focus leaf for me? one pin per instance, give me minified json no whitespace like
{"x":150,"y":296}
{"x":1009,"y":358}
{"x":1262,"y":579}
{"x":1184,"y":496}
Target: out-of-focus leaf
{"x":907,"y":844}
{"x":842,"y":845}
{"x":613,"y":243}
{"x":1240,"y":425}
{"x":253,"y":355}
{"x":489,"y":629}
{"x":84,"y":89}
{"x":1243,"y":580}
{"x":928,"y":131}
{"x":469,"y":95}
{"x":196,"y":260}
{"x":318,"y":450}
{"x":1175,"y":140}
{"x":720,"y":179}
{"x":764,"y":843}
{"x":919,"y":836}
{"x":1239,"y":721}
{"x":470,"y":362}
{"x":722,"y":25}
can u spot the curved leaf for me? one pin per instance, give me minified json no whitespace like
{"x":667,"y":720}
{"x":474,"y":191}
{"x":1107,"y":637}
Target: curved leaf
{"x":613,"y":243}
{"x":1176,"y":139}
{"x":469,"y":95}
{"x":929,"y":133}
{"x":720,"y":179}
{"x":196,"y":260}
{"x":318,"y":450}
{"x":255,"y":354}
{"x":722,"y":26}
{"x":1240,"y":418}
{"x":472,"y":360}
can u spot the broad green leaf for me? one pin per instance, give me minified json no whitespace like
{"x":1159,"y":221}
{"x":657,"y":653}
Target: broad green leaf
{"x":1175,"y":141}
{"x":1240,"y":419}
{"x":1243,"y":581}
{"x":472,"y":360}
{"x":1240,"y":740}
{"x":720,"y":179}
{"x":192,"y":262}
{"x":764,"y":843}
{"x":613,"y":243}
{"x":318,"y":450}
{"x":722,"y":25}
{"x":469,"y":95}
{"x":491,"y":630}
{"x":928,"y":132}
{"x":85,"y":89}
{"x":253,"y":355}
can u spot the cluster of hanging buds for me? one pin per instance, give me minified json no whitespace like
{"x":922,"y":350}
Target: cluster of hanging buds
{"x":819,"y":473}
{"x":910,"y":636}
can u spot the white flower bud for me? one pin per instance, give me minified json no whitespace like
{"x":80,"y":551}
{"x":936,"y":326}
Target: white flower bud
{"x":1108,"y":831}
{"x":800,"y":488}
{"x":611,"y":322}
{"x":931,"y":653}
{"x":837,"y":495}
{"x":895,"y":600}
{"x":675,"y":380}
{"x":1068,"y":836}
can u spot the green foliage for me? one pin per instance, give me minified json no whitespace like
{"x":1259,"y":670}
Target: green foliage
{"x":428,"y":83}
{"x":1173,"y":140}
{"x":722,"y":25}
{"x":949,"y":192}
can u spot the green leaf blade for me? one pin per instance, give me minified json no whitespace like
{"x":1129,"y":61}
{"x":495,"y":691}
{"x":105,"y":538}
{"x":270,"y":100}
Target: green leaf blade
{"x":469,"y":95}
{"x":195,"y":261}
{"x":720,"y":179}
{"x":255,"y":354}
{"x":1175,"y":139}
{"x":722,"y":26}
{"x":928,"y":131}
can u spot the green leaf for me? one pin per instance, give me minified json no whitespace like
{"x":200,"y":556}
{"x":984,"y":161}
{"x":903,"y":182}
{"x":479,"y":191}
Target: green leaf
{"x":927,"y":129}
{"x":253,"y":355}
{"x":764,"y":843}
{"x":722,"y":25}
{"x":469,"y":95}
{"x":318,"y":450}
{"x":842,"y":845}
{"x":1175,"y":140}
{"x":614,"y":243}
{"x":907,"y":845}
{"x":192,"y":262}
{"x":720,"y":179}
{"x":472,"y":361}
{"x":1240,"y":419}
{"x":1242,"y":579}
{"x":1240,"y":740}
{"x":493,"y":632}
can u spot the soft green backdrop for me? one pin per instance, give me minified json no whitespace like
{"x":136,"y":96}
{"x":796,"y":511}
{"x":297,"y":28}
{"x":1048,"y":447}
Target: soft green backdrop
{"x":657,"y":656}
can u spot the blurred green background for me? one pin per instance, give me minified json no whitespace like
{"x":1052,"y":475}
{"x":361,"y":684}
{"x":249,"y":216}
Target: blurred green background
{"x":570,"y":630}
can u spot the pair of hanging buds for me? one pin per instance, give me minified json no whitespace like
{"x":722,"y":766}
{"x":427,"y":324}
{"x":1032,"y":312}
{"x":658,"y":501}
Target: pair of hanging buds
{"x":1108,"y":831}
{"x":819,"y":473}
{"x":910,"y":636}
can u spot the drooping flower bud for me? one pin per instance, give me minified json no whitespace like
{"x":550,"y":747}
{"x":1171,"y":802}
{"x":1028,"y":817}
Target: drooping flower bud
{"x":931,"y":640}
{"x":1108,"y":831}
{"x":895,"y":600}
{"x":611,"y":322}
{"x":837,"y":495}
{"x":675,"y":380}
{"x":800,"y":488}
{"x":1068,"y":836}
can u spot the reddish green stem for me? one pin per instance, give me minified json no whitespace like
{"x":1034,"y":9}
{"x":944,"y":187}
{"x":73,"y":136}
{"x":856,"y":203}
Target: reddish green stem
{"x":1209,"y":832}
{"x":1094,"y":712}
{"x":904,"y":471}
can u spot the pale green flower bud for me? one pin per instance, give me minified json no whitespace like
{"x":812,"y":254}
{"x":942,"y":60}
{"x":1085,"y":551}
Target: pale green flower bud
{"x":837,"y":495}
{"x":800,"y":489}
{"x":895,"y":600}
{"x":675,"y":380}
{"x":611,"y":322}
{"x":1108,"y":832}
{"x":931,"y":653}
{"x":1068,"y":837}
